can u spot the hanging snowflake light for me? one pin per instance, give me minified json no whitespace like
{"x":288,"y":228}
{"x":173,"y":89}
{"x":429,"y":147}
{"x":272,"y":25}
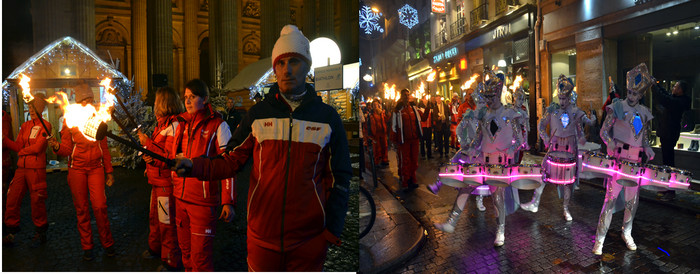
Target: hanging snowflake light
{"x":408,"y":16}
{"x":369,"y":20}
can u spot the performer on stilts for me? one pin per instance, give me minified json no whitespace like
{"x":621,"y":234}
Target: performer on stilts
{"x":565,"y":123}
{"x":628,"y":141}
{"x":496,"y":141}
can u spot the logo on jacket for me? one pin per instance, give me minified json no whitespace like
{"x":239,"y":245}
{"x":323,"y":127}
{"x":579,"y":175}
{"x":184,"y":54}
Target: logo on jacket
{"x":267,"y":124}
{"x":205,"y":133}
{"x":313,"y":128}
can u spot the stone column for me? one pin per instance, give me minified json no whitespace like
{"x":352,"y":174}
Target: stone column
{"x":228,"y":43}
{"x":160,"y":35}
{"x":85,"y":22}
{"x":139,"y":45}
{"x":309,"y":17}
{"x":326,"y":12}
{"x":214,"y":37}
{"x":191,"y":37}
{"x":49,"y":21}
{"x":274,"y":14}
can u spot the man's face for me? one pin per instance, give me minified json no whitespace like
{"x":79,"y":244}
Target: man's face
{"x":633,"y":97}
{"x":291,"y":74}
{"x":677,"y":90}
{"x":229,"y":103}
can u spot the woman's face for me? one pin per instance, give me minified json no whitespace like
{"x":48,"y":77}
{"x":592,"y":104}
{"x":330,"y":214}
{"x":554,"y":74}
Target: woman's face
{"x":193,"y":103}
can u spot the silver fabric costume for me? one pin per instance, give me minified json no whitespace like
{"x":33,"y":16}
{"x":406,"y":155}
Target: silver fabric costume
{"x":497,"y":137}
{"x":629,"y":123}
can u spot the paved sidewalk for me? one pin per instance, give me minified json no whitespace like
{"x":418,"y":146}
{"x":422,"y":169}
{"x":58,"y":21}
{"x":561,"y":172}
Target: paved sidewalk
{"x":396,"y":236}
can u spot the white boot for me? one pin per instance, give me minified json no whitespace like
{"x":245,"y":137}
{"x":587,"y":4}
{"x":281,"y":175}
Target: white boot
{"x":480,"y":203}
{"x":598,"y":247}
{"x":627,"y":237}
{"x":567,"y":215}
{"x":531,"y":206}
{"x":449,"y":225}
{"x":500,"y":235}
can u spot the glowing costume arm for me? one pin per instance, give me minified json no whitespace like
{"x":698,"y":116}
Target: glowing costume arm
{"x":542,"y":127}
{"x":605,"y":131}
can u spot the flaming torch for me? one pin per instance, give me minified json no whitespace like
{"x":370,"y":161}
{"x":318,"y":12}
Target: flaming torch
{"x":92,"y":123}
{"x":516,"y":83}
{"x":29,"y":99}
{"x":468,"y":84}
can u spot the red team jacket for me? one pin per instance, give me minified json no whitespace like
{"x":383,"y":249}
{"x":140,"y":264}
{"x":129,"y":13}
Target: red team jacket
{"x":30,"y":144}
{"x":161,"y":142}
{"x":203,"y":134}
{"x":83,"y":153}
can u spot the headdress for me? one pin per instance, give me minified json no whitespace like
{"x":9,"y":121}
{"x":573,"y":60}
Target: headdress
{"x":638,"y":79}
{"x":565,"y":85}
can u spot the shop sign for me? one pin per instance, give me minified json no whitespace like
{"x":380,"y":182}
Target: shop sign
{"x":501,"y":31}
{"x":438,"y":6}
{"x":329,"y":77}
{"x":445,"y":54}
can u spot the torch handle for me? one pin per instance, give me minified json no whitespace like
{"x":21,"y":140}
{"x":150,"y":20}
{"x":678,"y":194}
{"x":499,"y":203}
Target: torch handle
{"x":128,"y":115}
{"x":156,"y":156}
{"x":40,"y":119}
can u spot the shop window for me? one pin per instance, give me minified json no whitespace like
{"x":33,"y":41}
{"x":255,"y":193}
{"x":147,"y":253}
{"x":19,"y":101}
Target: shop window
{"x":563,"y":62}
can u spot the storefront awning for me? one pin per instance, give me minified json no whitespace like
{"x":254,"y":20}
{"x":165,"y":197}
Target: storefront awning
{"x":250,"y":75}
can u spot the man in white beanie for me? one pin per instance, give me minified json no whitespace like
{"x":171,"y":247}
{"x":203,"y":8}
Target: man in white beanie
{"x":298,"y":191}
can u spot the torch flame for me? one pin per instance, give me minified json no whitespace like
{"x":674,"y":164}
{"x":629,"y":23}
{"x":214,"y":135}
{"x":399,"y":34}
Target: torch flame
{"x":390,"y":92}
{"x":431,"y":76}
{"x":24,"y":83}
{"x":77,"y":115}
{"x":516,"y":83}
{"x":468,"y":84}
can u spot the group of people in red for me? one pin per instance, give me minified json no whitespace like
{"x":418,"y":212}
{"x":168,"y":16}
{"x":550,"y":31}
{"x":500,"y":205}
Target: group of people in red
{"x":298,"y":194}
{"x":413,"y":128}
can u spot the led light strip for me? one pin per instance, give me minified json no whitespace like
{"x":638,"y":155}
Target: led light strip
{"x":609,"y":170}
{"x":561,"y":165}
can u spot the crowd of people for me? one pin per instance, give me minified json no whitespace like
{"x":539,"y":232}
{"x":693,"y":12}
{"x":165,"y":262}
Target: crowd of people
{"x":298,"y":194}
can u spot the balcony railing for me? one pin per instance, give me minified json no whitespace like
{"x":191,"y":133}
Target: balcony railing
{"x":503,"y":5}
{"x":440,"y":39}
{"x":479,"y":15}
{"x":457,"y":28}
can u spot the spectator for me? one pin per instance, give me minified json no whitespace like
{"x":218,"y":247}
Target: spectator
{"x":441,"y":126}
{"x":669,"y":130}
{"x":30,"y":175}
{"x":162,"y":236}
{"x":454,"y":120}
{"x":88,"y":163}
{"x":234,"y":113}
{"x":298,"y":195}
{"x":426,"y":142}
{"x":7,"y":170}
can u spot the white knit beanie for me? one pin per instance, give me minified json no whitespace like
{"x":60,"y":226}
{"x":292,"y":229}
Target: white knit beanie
{"x":291,"y":42}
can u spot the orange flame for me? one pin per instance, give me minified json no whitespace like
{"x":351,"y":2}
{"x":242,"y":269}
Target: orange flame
{"x":24,"y":83}
{"x":390,"y":92}
{"x":420,"y":91}
{"x":431,"y":76}
{"x":516,"y":83}
{"x":77,"y":115}
{"x":468,"y":84}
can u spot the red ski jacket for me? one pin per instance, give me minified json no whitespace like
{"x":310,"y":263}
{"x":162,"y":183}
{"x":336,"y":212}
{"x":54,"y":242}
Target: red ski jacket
{"x":30,"y":144}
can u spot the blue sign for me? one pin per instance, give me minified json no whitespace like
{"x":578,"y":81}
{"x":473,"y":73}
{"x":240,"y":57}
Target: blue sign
{"x":445,"y":54}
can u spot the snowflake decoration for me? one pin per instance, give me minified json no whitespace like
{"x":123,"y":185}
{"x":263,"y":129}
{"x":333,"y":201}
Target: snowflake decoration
{"x":369,"y":20}
{"x":408,"y":16}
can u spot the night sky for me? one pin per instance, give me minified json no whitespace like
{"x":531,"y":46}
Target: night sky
{"x":17,"y":40}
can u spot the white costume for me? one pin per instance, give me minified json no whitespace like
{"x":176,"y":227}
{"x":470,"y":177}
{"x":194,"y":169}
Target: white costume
{"x":629,"y":122}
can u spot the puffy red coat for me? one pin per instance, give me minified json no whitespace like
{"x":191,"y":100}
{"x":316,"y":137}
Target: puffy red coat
{"x":30,"y":144}
{"x":83,"y":153}
{"x":161,"y":142}
{"x":206,"y":134}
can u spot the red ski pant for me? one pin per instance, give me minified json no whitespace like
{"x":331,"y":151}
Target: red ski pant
{"x":33,"y":180}
{"x":408,"y":161}
{"x":453,"y":136}
{"x":308,"y":257}
{"x":88,"y":186}
{"x":380,"y":151}
{"x":162,"y":237}
{"x":196,"y":227}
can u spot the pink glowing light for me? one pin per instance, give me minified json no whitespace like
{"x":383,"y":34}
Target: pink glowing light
{"x":561,"y":165}
{"x":561,"y":182}
{"x":614,"y":171}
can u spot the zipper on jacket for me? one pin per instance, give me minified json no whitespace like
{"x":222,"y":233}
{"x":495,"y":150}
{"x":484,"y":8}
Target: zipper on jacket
{"x":286,"y":179}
